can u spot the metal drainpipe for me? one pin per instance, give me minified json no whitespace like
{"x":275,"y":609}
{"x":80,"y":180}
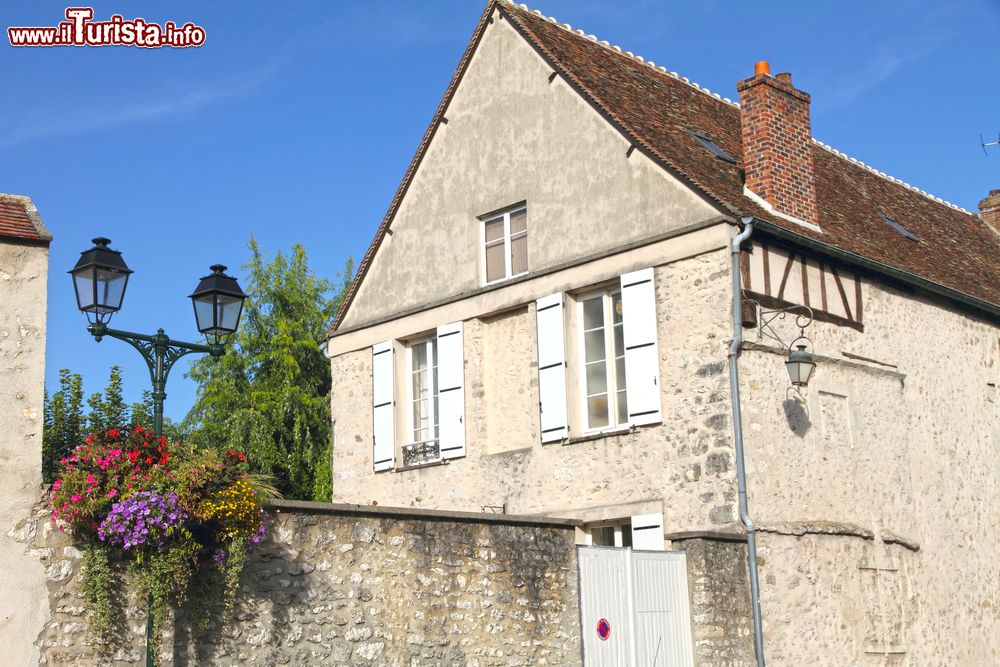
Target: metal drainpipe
{"x":741,"y":476}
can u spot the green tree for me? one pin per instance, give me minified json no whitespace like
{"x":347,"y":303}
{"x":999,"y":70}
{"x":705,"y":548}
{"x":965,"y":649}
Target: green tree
{"x":109,"y":410}
{"x":269,"y":395}
{"x":63,"y":421}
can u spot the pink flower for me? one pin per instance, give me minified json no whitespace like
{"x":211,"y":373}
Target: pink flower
{"x":56,"y":485}
{"x":76,"y":497}
{"x":112,"y":493}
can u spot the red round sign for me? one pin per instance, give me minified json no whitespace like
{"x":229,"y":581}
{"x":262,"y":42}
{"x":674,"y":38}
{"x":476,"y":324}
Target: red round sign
{"x":603,"y":629}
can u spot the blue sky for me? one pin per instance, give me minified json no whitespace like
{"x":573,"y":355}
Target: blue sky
{"x":295,"y":122}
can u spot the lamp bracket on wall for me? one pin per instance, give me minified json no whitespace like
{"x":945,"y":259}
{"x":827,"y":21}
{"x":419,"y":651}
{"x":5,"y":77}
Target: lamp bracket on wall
{"x":766,"y":318}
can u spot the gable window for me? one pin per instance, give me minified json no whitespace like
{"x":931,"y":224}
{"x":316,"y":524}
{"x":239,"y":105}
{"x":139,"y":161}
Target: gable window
{"x":603,"y":358}
{"x":505,"y":245}
{"x":423,"y":371}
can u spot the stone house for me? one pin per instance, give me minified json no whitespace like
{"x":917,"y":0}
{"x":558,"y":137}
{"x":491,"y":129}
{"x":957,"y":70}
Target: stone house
{"x":24,"y":262}
{"x":543,"y":324}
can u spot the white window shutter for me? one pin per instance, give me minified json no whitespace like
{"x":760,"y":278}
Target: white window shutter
{"x":551,"y":368}
{"x":383,"y":414}
{"x":451,"y":391}
{"x":642,"y":358}
{"x":647,"y":532}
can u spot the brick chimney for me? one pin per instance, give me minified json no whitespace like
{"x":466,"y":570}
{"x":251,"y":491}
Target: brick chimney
{"x":989,"y":209}
{"x":777,"y":137}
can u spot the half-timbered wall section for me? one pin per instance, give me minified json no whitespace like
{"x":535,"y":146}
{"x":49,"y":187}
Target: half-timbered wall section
{"x":777,"y":277}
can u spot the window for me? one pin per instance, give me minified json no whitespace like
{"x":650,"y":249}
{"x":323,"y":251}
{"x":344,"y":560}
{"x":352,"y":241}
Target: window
{"x":611,"y":535}
{"x":712,"y":147}
{"x":891,"y":221}
{"x":605,"y":401}
{"x":419,"y":403}
{"x":505,"y":245}
{"x":612,"y":330}
{"x":423,"y":372}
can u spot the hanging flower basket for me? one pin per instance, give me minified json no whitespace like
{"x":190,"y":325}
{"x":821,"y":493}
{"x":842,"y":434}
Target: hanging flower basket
{"x":176,"y":518}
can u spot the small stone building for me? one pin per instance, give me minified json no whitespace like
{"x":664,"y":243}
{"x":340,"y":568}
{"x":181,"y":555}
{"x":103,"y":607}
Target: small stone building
{"x":24,"y":265}
{"x":543,"y":325}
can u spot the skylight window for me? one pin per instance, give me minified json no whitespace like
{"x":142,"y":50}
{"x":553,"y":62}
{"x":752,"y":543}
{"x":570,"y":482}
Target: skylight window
{"x":712,"y":147}
{"x":891,"y":221}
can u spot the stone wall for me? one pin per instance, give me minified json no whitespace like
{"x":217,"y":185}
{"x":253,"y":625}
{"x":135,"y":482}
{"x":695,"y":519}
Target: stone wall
{"x":23,"y":277}
{"x":349,"y":585}
{"x":718,"y":586}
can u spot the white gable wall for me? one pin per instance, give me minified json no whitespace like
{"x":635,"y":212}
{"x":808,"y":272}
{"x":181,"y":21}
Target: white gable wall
{"x":513,"y":136}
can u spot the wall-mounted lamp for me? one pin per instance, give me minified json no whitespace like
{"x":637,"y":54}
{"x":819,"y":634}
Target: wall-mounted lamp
{"x":800,"y":363}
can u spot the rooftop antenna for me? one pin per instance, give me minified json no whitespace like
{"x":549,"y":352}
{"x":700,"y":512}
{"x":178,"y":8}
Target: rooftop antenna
{"x":984,"y":144}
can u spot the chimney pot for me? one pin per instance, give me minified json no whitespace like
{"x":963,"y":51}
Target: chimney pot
{"x":785,"y":77}
{"x":762,"y":67}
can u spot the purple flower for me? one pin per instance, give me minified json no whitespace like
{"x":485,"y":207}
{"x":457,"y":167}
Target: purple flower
{"x":145,"y":517}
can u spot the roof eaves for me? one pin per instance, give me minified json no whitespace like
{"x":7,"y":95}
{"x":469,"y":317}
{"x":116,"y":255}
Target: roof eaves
{"x":875,"y":266}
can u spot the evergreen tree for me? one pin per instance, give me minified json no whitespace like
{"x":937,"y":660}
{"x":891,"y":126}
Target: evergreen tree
{"x":109,"y":410}
{"x":63,"y":421}
{"x":269,"y":395}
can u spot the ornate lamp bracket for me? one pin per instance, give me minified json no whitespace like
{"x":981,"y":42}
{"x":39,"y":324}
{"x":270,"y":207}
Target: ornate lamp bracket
{"x":766,"y":318}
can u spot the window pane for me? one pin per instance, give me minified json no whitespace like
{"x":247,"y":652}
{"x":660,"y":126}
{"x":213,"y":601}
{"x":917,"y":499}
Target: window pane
{"x":597,"y":378}
{"x":518,"y":221}
{"x":620,"y":373}
{"x":616,"y":308}
{"x":593,"y":344}
{"x":622,"y":407}
{"x":603,"y":536}
{"x":494,"y":229}
{"x":419,"y":357}
{"x":519,"y":254}
{"x":597,"y":411}
{"x":495,"y":266}
{"x":627,"y":535}
{"x":593,"y":313}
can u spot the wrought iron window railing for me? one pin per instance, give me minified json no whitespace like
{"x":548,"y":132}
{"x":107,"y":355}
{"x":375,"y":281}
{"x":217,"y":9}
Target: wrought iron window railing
{"x":421,"y":453}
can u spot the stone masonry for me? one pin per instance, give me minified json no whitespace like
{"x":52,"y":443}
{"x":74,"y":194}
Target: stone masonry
{"x":352,"y":585}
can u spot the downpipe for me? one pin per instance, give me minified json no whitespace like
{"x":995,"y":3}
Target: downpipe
{"x":741,"y":477}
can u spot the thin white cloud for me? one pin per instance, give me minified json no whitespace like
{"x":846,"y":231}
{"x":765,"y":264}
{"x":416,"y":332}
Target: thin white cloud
{"x":73,"y":121}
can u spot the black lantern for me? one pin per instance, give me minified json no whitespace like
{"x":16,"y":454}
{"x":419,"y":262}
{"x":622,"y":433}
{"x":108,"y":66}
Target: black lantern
{"x":218,"y":303}
{"x":800,"y":365}
{"x":100,"y":277}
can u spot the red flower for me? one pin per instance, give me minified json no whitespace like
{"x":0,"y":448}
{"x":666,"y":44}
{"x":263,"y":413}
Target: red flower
{"x":113,"y":432}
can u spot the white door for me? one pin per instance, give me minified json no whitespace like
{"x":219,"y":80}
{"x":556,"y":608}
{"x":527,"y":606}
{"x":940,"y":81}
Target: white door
{"x":634,"y":608}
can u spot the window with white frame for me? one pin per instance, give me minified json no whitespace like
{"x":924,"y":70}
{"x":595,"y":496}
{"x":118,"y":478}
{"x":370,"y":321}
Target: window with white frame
{"x":505,"y":245}
{"x":614,"y":335}
{"x":604,"y":387}
{"x":423,"y":381}
{"x":611,"y":535}
{"x":427,"y":398}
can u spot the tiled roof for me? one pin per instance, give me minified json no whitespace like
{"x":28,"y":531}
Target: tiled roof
{"x":658,"y":110}
{"x":19,"y":220}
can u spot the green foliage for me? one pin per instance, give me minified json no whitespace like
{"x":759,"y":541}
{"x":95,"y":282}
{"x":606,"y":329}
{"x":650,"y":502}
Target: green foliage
{"x":66,"y":424}
{"x":99,"y":582}
{"x":269,"y":395}
{"x":64,"y":421}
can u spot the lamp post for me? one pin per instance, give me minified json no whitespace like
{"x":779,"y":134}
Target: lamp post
{"x":100,"y":278}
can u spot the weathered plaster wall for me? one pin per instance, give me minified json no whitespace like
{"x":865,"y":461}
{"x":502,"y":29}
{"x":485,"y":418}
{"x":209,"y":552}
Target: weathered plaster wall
{"x":684,"y":467}
{"x":363,"y":586}
{"x":880,"y":455}
{"x":23,"y":609}
{"x":512,"y":136}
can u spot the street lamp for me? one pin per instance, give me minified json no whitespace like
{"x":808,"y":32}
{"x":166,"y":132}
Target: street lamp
{"x":800,"y":365}
{"x":100,"y":277}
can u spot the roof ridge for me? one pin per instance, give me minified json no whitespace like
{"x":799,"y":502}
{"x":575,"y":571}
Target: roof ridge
{"x":674,"y":75}
{"x":891,"y":179}
{"x":614,"y":48}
